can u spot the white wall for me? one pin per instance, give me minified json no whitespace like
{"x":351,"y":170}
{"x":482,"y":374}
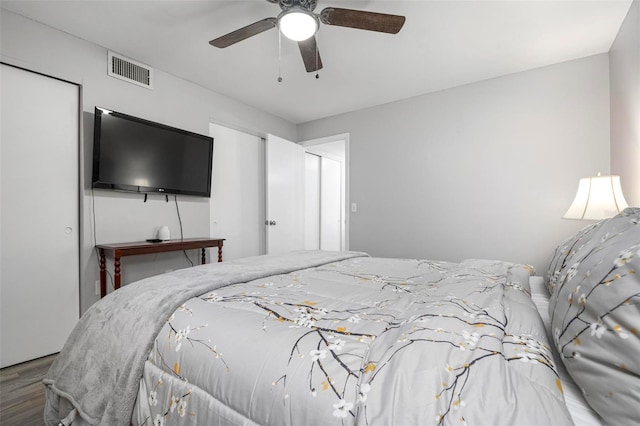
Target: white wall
{"x":483,"y":170}
{"x":625,"y":105}
{"x":173,"y":101}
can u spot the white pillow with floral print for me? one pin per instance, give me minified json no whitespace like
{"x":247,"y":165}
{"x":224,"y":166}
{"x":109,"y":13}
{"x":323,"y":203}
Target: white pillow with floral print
{"x":594,"y":280}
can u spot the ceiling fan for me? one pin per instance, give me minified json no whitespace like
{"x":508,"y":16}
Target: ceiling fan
{"x":298,"y":22}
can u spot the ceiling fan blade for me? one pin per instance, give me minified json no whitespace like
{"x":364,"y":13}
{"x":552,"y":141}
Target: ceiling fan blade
{"x":310,"y":54}
{"x":244,"y":33}
{"x":362,"y":20}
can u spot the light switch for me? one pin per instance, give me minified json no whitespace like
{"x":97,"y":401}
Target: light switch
{"x":354,"y":207}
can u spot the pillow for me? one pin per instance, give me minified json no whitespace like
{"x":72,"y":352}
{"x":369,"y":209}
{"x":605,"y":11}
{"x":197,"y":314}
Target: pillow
{"x":594,"y":281}
{"x":563,"y":251}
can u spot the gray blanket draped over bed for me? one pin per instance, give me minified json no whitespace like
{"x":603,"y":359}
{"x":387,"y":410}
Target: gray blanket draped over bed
{"x":99,"y":369}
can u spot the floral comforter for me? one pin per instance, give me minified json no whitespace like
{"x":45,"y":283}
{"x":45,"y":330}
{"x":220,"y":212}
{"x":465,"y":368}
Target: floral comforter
{"x":360,"y":341}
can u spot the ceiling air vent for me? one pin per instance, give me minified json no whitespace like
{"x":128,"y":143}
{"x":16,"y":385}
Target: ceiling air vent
{"x":129,"y":70}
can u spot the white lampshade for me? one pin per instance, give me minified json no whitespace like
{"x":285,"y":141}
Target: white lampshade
{"x":297,"y":24}
{"x":598,"y":197}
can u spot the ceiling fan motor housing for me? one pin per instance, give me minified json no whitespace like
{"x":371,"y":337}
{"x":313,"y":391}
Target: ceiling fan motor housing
{"x":309,"y":5}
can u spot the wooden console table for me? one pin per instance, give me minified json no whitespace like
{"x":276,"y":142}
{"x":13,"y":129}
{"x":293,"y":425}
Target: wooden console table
{"x":119,"y":250}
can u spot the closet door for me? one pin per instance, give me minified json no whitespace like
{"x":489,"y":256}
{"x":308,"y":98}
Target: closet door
{"x":331,"y":205}
{"x":39,"y":214}
{"x":311,"y":201}
{"x":237,"y":192}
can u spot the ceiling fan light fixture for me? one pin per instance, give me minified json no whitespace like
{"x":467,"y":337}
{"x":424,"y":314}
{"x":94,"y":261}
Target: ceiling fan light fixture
{"x":297,"y":24}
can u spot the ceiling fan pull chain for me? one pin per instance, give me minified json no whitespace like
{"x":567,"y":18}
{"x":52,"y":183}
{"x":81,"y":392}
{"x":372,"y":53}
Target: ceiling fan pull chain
{"x":279,"y":57}
{"x":317,"y":54}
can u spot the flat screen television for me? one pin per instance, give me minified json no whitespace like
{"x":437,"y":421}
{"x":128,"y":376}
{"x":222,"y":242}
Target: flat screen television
{"x":136,"y":155}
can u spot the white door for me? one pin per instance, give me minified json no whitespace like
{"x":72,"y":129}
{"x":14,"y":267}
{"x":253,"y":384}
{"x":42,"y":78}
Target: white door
{"x":284,"y":195}
{"x":331,"y":205}
{"x":332,"y":227}
{"x":312,"y":201}
{"x":39,"y":249}
{"x":237,"y":192}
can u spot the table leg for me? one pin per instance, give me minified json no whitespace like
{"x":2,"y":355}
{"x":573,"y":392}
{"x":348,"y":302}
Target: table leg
{"x":116,"y":275}
{"x":103,"y":275}
{"x":219,"y":252}
{"x":204,"y":256}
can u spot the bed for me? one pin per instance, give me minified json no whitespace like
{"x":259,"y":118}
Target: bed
{"x":317,"y":338}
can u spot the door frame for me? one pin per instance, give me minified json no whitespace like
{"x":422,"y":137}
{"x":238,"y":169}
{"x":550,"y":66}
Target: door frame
{"x":337,"y":138}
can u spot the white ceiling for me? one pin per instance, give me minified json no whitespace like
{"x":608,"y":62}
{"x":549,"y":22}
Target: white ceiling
{"x":443,"y":44}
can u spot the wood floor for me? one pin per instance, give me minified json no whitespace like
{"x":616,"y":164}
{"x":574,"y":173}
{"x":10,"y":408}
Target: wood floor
{"x":22,"y":393}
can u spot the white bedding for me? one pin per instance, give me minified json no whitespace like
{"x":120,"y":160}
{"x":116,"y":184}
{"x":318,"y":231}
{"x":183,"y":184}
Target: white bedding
{"x":581,"y":413}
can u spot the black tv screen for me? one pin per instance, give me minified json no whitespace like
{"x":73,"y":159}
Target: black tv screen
{"x":137,"y":155}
